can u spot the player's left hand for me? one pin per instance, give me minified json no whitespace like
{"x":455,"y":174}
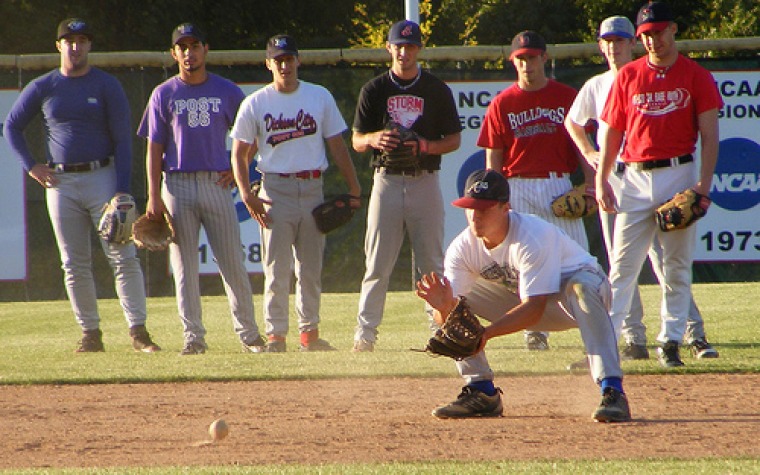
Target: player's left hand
{"x":437,"y":292}
{"x":226,"y":179}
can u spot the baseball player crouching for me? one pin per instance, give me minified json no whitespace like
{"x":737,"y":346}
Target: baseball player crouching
{"x":520,"y":272}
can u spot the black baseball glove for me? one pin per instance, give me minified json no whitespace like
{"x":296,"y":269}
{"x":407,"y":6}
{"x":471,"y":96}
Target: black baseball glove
{"x":333,"y":213}
{"x":403,"y":156}
{"x":460,"y":335}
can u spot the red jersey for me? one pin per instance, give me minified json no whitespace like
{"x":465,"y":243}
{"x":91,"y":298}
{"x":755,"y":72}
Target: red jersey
{"x":529,"y":127}
{"x":657,"y":108}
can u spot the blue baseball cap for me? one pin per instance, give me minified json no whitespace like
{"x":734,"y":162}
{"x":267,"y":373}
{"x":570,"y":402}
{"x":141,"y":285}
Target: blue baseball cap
{"x":187,"y":30}
{"x":405,"y":32}
{"x":74,"y":26}
{"x":617,"y":26}
{"x":483,"y":189}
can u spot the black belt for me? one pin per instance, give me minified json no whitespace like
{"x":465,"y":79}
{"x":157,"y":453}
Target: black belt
{"x":79,"y":167}
{"x":619,"y":168}
{"x":405,"y":171}
{"x":664,"y":163}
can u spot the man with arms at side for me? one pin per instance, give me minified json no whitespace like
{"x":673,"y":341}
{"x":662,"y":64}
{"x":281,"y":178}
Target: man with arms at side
{"x":616,"y":42}
{"x":518,"y":271}
{"x":291,"y":123}
{"x":89,"y":161}
{"x":403,"y":198}
{"x":659,"y":103}
{"x":186,"y":123}
{"x":525,"y":140}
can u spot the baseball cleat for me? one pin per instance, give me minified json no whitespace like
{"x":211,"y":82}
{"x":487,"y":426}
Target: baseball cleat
{"x":141,"y":340}
{"x":669,"y":356}
{"x":275,"y":346}
{"x":702,"y":349}
{"x":613,"y":408}
{"x":634,"y":352}
{"x":472,"y":402}
{"x":256,"y":346}
{"x":91,"y":342}
{"x":317,"y":345}
{"x":193,"y":347}
{"x":363,"y":346}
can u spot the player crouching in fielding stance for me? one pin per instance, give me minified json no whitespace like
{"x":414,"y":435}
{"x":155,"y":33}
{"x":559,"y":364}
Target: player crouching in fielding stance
{"x":520,"y":272}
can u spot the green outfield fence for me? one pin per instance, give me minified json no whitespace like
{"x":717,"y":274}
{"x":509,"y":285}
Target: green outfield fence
{"x":343,"y":72}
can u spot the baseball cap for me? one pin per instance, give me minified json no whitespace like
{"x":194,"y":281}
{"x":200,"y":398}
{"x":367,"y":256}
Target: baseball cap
{"x":654,"y":16}
{"x":280,"y":45}
{"x":187,"y":30}
{"x":527,"y":42}
{"x":74,"y":26}
{"x":483,"y":189}
{"x":617,"y":26}
{"x":405,"y":32}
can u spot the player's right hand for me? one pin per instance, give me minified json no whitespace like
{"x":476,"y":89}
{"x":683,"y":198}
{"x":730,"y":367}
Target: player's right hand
{"x":43,"y":175}
{"x":605,"y":197}
{"x":256,"y":208}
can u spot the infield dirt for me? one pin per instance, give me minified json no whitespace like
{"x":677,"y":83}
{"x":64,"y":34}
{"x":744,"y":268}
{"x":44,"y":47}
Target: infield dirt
{"x":372,"y":420}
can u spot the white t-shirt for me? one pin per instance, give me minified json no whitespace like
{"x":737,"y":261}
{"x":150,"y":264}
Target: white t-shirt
{"x":533,"y":259}
{"x":289,"y":128}
{"x":589,"y":103}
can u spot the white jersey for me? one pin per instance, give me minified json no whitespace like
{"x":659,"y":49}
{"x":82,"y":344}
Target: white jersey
{"x":532,"y":260}
{"x":289,"y":128}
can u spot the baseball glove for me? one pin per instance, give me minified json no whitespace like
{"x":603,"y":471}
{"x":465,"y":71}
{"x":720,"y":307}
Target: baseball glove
{"x":682,"y":210}
{"x":153,"y":235}
{"x":460,"y":335}
{"x":403,"y":156}
{"x":576,"y":203}
{"x":333,"y":213}
{"x":118,"y":217}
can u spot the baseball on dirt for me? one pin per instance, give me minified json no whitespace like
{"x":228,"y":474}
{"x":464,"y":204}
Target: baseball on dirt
{"x":218,"y":429}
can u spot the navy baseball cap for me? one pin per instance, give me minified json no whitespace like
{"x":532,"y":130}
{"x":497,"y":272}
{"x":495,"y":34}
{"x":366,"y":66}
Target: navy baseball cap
{"x":483,"y":189}
{"x":527,"y":42}
{"x":280,"y":45}
{"x":405,"y":32}
{"x":654,"y":16}
{"x":187,"y":30}
{"x":74,"y":26}
{"x":617,"y":26}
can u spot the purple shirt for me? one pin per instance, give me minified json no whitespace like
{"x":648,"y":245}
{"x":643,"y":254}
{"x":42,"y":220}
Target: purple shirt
{"x":191,"y":122}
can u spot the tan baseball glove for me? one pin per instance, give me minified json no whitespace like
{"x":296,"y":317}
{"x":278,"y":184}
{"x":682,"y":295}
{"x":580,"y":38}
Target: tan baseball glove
{"x":153,"y":235}
{"x":118,"y":217}
{"x":682,"y":210}
{"x":576,"y":203}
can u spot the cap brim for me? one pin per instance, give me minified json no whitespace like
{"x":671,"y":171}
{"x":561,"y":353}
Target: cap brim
{"x":621,"y":34}
{"x":405,"y":42}
{"x":282,"y":53}
{"x":528,"y":51}
{"x":653,"y":26}
{"x":474,"y":203}
{"x":188,"y":36}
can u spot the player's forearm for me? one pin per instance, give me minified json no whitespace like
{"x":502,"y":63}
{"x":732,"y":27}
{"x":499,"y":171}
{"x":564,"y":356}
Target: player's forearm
{"x":494,"y":159}
{"x":582,"y":142}
{"x":523,"y":316}
{"x":609,"y":151}
{"x":241,"y":156}
{"x":447,"y":144}
{"x":342,"y":160}
{"x":153,"y":168}
{"x":709,"y":140}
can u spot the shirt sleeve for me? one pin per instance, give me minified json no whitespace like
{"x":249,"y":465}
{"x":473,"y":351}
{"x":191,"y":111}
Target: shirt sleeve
{"x":120,"y":129}
{"x":490,"y":131}
{"x":244,"y":128}
{"x":26,"y":107}
{"x":334,"y":123}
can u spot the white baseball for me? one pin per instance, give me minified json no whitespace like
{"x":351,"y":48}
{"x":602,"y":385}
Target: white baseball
{"x":218,"y":429}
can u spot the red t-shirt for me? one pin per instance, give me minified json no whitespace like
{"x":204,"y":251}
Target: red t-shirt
{"x":528,"y":126}
{"x":658,"y":112}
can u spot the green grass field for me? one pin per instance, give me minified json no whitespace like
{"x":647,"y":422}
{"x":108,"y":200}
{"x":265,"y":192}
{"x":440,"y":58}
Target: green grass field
{"x":39,"y":337}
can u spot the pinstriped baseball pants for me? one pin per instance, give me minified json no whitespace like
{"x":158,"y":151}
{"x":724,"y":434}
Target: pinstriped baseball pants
{"x":195,"y":200}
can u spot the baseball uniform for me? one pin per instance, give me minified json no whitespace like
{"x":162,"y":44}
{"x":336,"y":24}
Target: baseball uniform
{"x":191,"y":122}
